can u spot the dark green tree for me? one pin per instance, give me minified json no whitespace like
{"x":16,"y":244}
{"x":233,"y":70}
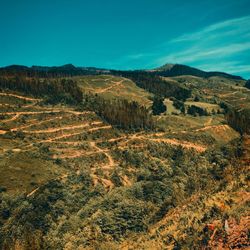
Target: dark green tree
{"x":158,"y":106}
{"x":247,"y":85}
{"x":194,"y":110}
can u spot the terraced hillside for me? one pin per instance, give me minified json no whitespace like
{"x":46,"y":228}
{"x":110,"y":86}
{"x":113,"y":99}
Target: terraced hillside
{"x":64,"y":134}
{"x":211,"y":88}
{"x":71,"y":180}
{"x":109,"y":87}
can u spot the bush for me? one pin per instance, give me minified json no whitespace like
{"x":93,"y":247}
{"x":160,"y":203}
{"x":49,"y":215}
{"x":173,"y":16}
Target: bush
{"x":194,"y":110}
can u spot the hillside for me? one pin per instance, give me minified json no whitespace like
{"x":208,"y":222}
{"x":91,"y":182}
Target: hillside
{"x":178,"y":70}
{"x":86,"y":165}
{"x":109,"y":87}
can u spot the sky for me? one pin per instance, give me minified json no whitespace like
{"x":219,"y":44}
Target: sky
{"x":213,"y":35}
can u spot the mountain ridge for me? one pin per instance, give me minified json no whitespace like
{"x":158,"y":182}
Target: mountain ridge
{"x":180,"y":69}
{"x":167,"y":70}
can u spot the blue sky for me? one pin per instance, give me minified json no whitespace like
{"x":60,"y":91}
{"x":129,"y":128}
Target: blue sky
{"x":127,"y":34}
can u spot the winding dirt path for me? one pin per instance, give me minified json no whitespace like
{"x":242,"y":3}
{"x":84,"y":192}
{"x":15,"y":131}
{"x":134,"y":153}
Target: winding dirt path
{"x":106,"y":183}
{"x":111,"y":163}
{"x":60,"y":137}
{"x":74,"y":153}
{"x":53,"y":130}
{"x":184,"y":144}
{"x":36,"y":123}
{"x":117,"y":139}
{"x":31,"y":112}
{"x":72,"y":143}
{"x":116,"y":84}
{"x":175,"y":142}
{"x":215,"y":127}
{"x":73,"y":134}
{"x":46,"y":112}
{"x":21,"y":97}
{"x":32,"y":192}
{"x":7,"y":105}
{"x":228,"y":94}
{"x":99,"y":128}
{"x":15,"y":117}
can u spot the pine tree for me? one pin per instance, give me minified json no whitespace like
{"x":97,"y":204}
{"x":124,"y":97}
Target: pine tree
{"x":158,"y":106}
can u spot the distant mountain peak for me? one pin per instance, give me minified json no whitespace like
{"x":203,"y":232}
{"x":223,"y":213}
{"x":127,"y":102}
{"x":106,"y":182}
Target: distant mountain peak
{"x":169,"y":70}
{"x":166,"y":66}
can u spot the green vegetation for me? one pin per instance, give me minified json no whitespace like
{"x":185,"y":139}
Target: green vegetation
{"x":158,"y":106}
{"x":110,"y":87}
{"x":57,"y":90}
{"x":179,"y":105}
{"x":121,"y":113}
{"x":58,"y":210}
{"x":207,"y":107}
{"x":156,"y":84}
{"x":239,"y":119}
{"x":106,"y":166}
{"x":247,"y":85}
{"x":194,"y":110}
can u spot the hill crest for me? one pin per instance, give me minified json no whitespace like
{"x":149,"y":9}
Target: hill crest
{"x":167,"y":70}
{"x":180,"y":69}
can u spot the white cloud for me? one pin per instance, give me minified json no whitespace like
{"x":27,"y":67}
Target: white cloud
{"x":230,"y":27}
{"x":197,"y":53}
{"x":217,"y":44}
{"x":231,"y":66}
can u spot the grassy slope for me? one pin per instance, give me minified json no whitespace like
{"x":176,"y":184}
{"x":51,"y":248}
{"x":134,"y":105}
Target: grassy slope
{"x":114,"y":87}
{"x":179,"y":127}
{"x":170,"y":107}
{"x":40,"y":132}
{"x":57,"y":142}
{"x":208,"y":106}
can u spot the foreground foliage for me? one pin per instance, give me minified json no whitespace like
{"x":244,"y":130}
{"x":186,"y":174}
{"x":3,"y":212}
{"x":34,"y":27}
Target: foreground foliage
{"x":60,"y":215}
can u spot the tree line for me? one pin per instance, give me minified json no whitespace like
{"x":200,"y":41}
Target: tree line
{"x":67,"y":70}
{"x":55,"y":89}
{"x":120,"y":112}
{"x":239,"y":119}
{"x":195,"y":110}
{"x":247,"y":84}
